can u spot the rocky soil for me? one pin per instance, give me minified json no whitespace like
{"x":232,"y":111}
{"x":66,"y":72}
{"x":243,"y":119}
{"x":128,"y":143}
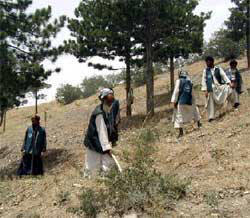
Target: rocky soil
{"x":215,"y":158}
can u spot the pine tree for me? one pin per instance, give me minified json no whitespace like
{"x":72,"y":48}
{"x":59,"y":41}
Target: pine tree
{"x":104,"y":29}
{"x":167,"y":29}
{"x":239,"y":23}
{"x":25,"y":42}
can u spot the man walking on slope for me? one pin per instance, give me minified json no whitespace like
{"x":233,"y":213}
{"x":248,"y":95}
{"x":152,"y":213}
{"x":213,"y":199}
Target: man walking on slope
{"x":234,"y":76}
{"x":101,"y":135}
{"x":185,"y":109}
{"x":217,"y":87}
{"x":34,"y":144}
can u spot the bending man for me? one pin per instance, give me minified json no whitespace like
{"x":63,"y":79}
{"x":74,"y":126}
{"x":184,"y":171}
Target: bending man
{"x":100,"y":135}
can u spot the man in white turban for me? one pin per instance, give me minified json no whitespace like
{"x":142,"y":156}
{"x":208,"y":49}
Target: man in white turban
{"x":101,"y":135}
{"x":185,"y":109}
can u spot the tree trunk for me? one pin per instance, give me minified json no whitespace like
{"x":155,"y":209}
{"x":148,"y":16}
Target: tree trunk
{"x":150,"y":80}
{"x":172,"y":74}
{"x":248,"y":33}
{"x":128,"y":87}
{"x":4,"y":120}
{"x":1,"y":117}
{"x":36,"y":97}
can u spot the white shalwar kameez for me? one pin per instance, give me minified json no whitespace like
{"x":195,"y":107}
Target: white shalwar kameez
{"x":95,"y":161}
{"x":184,"y":113}
{"x":220,"y":94}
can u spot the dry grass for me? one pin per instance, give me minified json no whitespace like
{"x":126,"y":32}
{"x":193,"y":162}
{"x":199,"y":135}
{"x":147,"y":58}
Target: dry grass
{"x":216,"y":158}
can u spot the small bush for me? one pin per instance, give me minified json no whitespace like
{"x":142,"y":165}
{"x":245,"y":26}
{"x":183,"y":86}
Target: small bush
{"x":138,"y":77}
{"x":66,"y":94}
{"x":114,"y":79}
{"x":147,"y":136}
{"x":91,"y":85}
{"x":91,"y":202}
{"x":211,"y":198}
{"x":140,"y":187}
{"x":222,"y":46}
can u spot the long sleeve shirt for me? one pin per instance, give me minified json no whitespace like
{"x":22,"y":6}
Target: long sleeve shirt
{"x":176,"y":92}
{"x":223,"y":76}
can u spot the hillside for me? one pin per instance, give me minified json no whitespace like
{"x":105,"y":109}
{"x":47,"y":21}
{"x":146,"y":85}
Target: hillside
{"x":216,"y":158}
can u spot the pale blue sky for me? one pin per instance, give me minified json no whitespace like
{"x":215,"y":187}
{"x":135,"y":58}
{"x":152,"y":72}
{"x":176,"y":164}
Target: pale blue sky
{"x":73,"y":73}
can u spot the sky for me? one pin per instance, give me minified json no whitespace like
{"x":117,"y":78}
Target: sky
{"x":73,"y":72}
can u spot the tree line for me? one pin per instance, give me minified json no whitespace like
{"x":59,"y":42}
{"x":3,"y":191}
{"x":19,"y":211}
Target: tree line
{"x":233,"y":39}
{"x":139,"y":32}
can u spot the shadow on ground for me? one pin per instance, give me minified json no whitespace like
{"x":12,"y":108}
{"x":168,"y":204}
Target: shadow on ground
{"x":4,"y":152}
{"x":55,"y":158}
{"x":141,"y":120}
{"x":52,"y":160}
{"x":162,"y":99}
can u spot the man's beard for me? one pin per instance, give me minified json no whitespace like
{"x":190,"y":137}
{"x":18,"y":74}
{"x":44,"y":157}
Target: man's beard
{"x":35,"y":126}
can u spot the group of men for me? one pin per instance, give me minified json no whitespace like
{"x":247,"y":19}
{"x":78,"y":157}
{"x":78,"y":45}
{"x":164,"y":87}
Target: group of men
{"x":102,"y":132}
{"x":100,"y":138}
{"x":219,"y":87}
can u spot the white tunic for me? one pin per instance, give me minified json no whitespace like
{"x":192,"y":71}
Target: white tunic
{"x":220,"y":93}
{"x":95,"y":161}
{"x":184,"y":113}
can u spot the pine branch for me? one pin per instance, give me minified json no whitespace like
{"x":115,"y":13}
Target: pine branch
{"x":16,"y":48}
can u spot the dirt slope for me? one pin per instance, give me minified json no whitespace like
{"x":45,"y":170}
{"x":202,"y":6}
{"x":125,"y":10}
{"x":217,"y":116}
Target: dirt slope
{"x":216,"y":158}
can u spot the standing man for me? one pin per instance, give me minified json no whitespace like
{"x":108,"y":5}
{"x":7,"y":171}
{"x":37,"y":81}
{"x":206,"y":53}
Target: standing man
{"x":185,"y":109}
{"x":234,"y":76}
{"x":34,"y":145}
{"x":217,"y":87}
{"x":101,"y":135}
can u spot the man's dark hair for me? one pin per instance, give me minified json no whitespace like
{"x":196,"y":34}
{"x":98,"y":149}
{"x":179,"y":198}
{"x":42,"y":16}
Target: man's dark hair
{"x":233,"y":63}
{"x":209,"y":58}
{"x":36,"y":117}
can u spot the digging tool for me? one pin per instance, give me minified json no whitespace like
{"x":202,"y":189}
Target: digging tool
{"x":116,"y":162}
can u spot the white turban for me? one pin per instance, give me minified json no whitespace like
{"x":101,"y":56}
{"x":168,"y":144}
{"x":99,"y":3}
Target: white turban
{"x":105,"y":92}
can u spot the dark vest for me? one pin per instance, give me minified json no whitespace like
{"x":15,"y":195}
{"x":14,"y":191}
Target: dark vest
{"x":114,"y":113}
{"x":238,"y":81}
{"x":35,"y":144}
{"x":210,"y":79}
{"x":185,"y":93}
{"x":115,"y":110}
{"x":91,"y":140}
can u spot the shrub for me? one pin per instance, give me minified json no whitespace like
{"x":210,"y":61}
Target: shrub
{"x":66,"y":94}
{"x":91,"y":85}
{"x":114,"y":79}
{"x":211,"y":198}
{"x":138,"y":77}
{"x":140,"y":187}
{"x":222,"y":46}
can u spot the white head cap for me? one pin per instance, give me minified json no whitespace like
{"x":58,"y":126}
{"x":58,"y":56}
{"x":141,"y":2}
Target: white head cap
{"x":105,"y":92}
